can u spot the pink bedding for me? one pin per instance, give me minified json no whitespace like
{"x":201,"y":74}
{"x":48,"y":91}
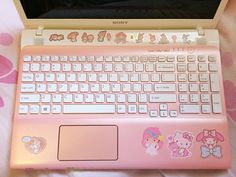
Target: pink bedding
{"x":10,"y":28}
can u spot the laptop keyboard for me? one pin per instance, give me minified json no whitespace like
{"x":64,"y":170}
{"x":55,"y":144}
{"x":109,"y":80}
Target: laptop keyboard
{"x":147,"y":85}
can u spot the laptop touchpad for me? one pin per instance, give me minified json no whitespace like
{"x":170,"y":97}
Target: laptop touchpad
{"x":86,"y":142}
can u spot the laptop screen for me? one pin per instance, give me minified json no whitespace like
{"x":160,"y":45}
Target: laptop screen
{"x":120,"y":9}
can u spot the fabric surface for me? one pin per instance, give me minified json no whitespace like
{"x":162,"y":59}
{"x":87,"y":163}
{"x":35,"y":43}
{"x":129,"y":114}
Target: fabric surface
{"x":10,"y":29}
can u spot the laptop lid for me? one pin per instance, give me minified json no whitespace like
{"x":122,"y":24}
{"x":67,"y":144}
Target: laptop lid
{"x":120,"y":14}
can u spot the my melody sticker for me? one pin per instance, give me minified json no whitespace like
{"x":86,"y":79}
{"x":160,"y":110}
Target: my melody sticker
{"x":34,"y":144}
{"x":210,"y":140}
{"x":180,"y":144}
{"x":152,"y":140}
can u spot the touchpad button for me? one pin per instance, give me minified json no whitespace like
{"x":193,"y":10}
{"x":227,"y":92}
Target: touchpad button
{"x":84,"y":142}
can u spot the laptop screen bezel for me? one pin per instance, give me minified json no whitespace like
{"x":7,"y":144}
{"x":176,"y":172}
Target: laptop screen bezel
{"x":120,"y":23}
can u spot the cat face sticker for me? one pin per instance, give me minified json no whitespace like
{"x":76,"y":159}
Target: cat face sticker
{"x":180,"y":144}
{"x":152,"y":140}
{"x":73,"y":36}
{"x":56,"y":37}
{"x":120,"y":38}
{"x":210,"y":143}
{"x":35,"y":145}
{"x":87,"y":38}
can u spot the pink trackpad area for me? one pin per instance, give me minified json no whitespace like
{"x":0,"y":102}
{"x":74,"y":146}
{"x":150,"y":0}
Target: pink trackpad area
{"x":86,"y":142}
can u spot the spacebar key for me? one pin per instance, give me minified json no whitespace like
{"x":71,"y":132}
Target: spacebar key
{"x":88,"y":109}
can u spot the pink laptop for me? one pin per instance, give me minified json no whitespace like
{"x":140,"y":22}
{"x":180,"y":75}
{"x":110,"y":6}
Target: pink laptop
{"x":120,"y":84}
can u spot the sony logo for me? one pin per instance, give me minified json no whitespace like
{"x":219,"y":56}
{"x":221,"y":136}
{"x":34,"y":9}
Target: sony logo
{"x":120,"y":22}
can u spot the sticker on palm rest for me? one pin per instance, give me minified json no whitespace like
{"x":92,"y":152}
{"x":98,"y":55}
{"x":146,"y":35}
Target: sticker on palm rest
{"x":34,"y":144}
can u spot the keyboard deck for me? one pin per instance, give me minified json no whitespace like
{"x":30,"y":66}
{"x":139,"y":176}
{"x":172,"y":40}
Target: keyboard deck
{"x":147,"y":84}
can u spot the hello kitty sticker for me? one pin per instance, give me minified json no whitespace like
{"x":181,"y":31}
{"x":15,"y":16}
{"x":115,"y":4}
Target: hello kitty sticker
{"x":152,"y":140}
{"x":35,"y":145}
{"x":180,"y":144}
{"x":210,"y":146}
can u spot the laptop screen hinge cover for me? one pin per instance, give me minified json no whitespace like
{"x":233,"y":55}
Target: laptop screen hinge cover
{"x":38,"y":39}
{"x":201,"y":36}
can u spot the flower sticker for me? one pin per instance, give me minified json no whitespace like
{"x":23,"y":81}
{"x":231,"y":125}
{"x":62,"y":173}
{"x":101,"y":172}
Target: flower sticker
{"x":152,"y":140}
{"x":34,"y":144}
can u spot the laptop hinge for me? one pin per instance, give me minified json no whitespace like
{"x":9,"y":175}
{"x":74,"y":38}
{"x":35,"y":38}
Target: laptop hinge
{"x":201,"y":36}
{"x":39,"y":40}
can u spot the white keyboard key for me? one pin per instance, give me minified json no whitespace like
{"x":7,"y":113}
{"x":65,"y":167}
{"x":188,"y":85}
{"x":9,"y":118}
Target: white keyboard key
{"x":97,"y":67}
{"x":26,"y":67}
{"x":170,"y":58}
{"x":134,"y":58}
{"x":102,"y":77}
{"x":191,"y":58}
{"x":41,"y":87}
{"x":89,"y":109}
{"x":45,"y":67}
{"x":56,"y":98}
{"x":202,"y":67}
{"x":164,"y":87}
{"x":144,"y":77}
{"x":88,"y":98}
{"x":189,"y":109}
{"x":182,"y":77}
{"x":66,"y":67}
{"x":95,"y":87}
{"x":92,"y":77}
{"x":129,"y":67}
{"x":73,"y":58}
{"x":126,"y":59}
{"x":126,"y":87}
{"x":37,"y":58}
{"x":56,"y":109}
{"x":62,"y":87}
{"x":173,"y":113}
{"x":110,"y":98}
{"x":23,"y":109}
{"x":153,"y":113}
{"x":214,"y":82}
{"x":56,"y":67}
{"x":181,"y":67}
{"x":165,"y":67}
{"x":168,"y":77}
{"x":34,"y":67}
{"x":108,"y":67}
{"x":212,"y":58}
{"x":54,"y":58}
{"x":162,"y":98}
{"x":27,"y":77}
{"x":192,"y":77}
{"x":137,"y":87}
{"x":29,"y":98}
{"x":63,"y":58}
{"x":77,"y":67}
{"x":45,"y":98}
{"x":121,"y":98}
{"x":194,"y":98}
{"x":84,"y":87}
{"x":124,"y":77}
{"x":142,"y":98}
{"x":81,"y":58}
{"x":163,"y":107}
{"x":204,"y":87}
{"x":203,"y":77}
{"x":39,"y":77}
{"x":34,"y":109}
{"x":142,"y":109}
{"x":99,"y":58}
{"x":61,"y":77}
{"x":149,"y":67}
{"x":183,"y":87}
{"x":105,"y":88}
{"x":115,"y":87}
{"x":27,"y":58}
{"x":67,"y":98}
{"x":213,"y":67}
{"x":206,"y":109}
{"x":155,"y":77}
{"x":90,"y":58}
{"x":163,"y":113}
{"x":132,"y":109}
{"x":71,"y":77}
{"x":132,"y":98}
{"x":147,"y":87}
{"x":181,"y":58}
{"x":134,"y":77}
{"x":87,"y":67}
{"x":79,"y":98}
{"x":202,"y":58}
{"x":118,"y":67}
{"x":45,"y":109}
{"x":108,"y":58}
{"x":45,"y":58}
{"x":161,"y":58}
{"x":121,"y":108}
{"x":205,"y":98}
{"x":139,"y":67}
{"x":100,"y":98}
{"x":216,"y":103}
{"x":50,"y":77}
{"x":193,"y":87}
{"x":28,"y":88}
{"x":82,"y":77}
{"x":113,"y":77}
{"x":52,"y":87}
{"x":183,"y":98}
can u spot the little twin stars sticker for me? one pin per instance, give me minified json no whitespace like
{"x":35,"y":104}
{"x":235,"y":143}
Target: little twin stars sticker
{"x":34,"y":144}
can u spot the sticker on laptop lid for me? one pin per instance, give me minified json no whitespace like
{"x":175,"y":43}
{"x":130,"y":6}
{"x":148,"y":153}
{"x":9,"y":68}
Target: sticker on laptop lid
{"x":210,"y":140}
{"x":180,"y":144}
{"x":56,"y":37}
{"x":152,"y":140}
{"x":34,"y":144}
{"x":73,"y":36}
